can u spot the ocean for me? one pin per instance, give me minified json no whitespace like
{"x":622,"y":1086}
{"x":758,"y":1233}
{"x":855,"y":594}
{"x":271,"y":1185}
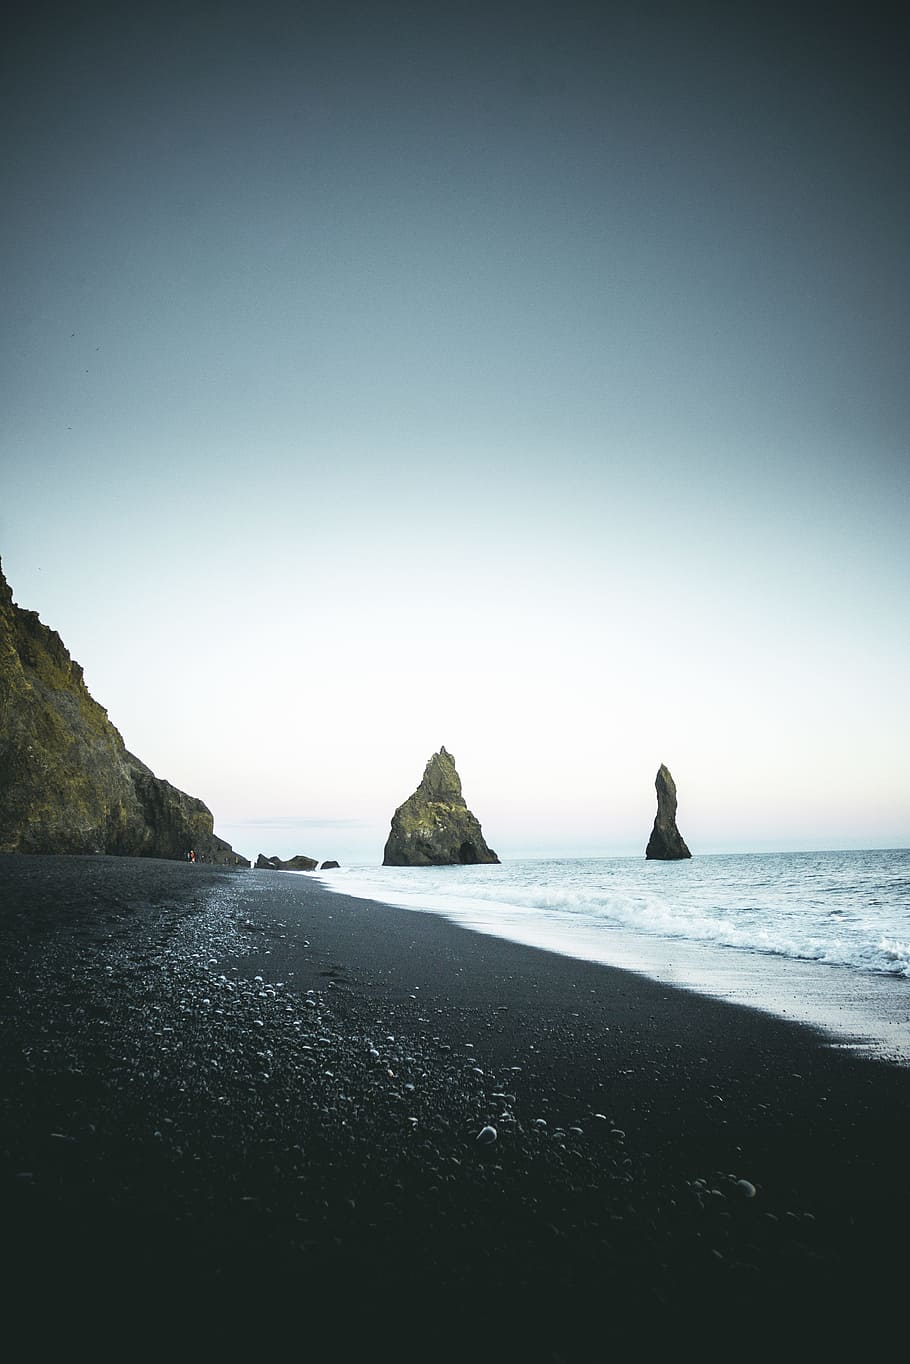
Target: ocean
{"x":818,"y":937}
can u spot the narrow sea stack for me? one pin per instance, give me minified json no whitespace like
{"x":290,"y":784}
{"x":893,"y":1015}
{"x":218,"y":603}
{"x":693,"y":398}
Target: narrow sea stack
{"x":67,"y":782}
{"x":666,"y":843}
{"x":434,"y":827}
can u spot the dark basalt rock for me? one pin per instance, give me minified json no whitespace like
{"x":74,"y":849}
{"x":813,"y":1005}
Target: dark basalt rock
{"x":327,"y":866}
{"x":67,"y":782}
{"x":666,"y":843}
{"x":298,"y":863}
{"x":434,"y":827}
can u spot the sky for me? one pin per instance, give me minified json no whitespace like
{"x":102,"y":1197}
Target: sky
{"x":530,"y":379}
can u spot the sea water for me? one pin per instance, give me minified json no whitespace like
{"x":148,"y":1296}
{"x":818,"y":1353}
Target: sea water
{"x":819,"y":937}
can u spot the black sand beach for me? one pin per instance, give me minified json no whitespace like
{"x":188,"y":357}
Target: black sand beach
{"x":237,"y":1103}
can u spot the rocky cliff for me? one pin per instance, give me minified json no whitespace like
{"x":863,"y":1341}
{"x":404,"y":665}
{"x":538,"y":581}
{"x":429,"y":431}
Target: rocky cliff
{"x":434,"y":827}
{"x":666,"y":842}
{"x":67,"y":782}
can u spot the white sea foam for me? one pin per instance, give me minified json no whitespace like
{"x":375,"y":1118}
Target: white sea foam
{"x":848,"y":909}
{"x":785,"y":932}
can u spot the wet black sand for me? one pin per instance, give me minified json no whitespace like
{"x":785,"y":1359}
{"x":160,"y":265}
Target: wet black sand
{"x":236,"y":1104}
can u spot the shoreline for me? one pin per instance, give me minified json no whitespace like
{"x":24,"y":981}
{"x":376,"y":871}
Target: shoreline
{"x":863,"y":1010}
{"x":661,"y":1159}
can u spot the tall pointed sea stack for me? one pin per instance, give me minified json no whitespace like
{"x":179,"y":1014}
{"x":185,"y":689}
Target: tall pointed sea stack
{"x":666,"y":842}
{"x":434,"y":827}
{"x":67,"y":782}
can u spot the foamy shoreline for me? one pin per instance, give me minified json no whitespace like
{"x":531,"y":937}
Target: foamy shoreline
{"x":866,"y":1010}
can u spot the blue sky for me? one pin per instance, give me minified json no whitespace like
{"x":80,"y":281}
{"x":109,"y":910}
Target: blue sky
{"x":526,"y":379}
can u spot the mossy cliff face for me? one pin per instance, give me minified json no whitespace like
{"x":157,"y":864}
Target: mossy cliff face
{"x":434,"y":827}
{"x":666,"y":842}
{"x":67,"y":782}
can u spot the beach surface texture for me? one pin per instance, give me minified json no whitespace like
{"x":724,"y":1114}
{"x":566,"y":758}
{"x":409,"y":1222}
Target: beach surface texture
{"x":237,"y":1101}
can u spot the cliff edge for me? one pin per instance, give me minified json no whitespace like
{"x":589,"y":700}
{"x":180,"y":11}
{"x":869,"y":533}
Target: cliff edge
{"x":67,"y":782}
{"x":434,"y":827}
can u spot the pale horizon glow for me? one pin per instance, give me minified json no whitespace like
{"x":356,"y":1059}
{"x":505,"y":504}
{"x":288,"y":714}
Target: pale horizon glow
{"x":532,"y":383}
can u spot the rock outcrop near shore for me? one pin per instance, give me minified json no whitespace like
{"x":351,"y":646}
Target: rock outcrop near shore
{"x":298,"y":863}
{"x":434,"y":827}
{"x":666,"y":843}
{"x":67,"y":782}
